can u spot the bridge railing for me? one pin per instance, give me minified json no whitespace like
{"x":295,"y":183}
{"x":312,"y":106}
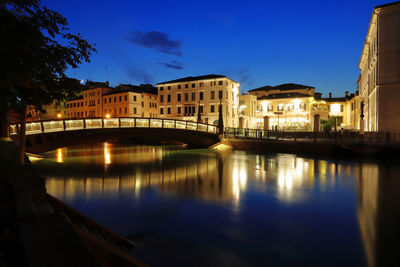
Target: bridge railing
{"x":102,"y":123}
{"x":340,"y":136}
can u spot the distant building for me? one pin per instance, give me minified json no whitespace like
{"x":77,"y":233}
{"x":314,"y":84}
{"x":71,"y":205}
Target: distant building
{"x":379,"y":84}
{"x":247,"y":111}
{"x":125,"y":100}
{"x":184,"y":98}
{"x":296,"y":107}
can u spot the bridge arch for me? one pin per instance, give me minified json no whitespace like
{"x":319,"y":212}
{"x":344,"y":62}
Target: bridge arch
{"x":48,"y":135}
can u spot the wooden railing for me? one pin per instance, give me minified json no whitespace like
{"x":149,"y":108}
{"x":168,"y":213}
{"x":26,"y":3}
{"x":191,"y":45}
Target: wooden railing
{"x":49,"y":126}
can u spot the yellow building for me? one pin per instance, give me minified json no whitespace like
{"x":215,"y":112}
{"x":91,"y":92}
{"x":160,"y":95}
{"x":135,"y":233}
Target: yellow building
{"x":123,"y":101}
{"x":247,"y":111}
{"x":379,"y":84}
{"x":296,"y":107}
{"x":184,"y":98}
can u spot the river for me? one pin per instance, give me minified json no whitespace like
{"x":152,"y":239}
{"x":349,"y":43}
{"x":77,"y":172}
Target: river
{"x":204,"y":207}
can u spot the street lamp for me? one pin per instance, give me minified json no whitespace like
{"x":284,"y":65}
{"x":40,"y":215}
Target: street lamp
{"x":59,"y":115}
{"x":107,"y":116}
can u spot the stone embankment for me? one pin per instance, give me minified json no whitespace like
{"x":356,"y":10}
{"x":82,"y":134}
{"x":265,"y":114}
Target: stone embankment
{"x":37,"y":229}
{"x":318,"y":148}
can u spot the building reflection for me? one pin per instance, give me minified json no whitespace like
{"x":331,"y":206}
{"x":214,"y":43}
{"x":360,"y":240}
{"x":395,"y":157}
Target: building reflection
{"x":222,"y":177}
{"x":378,"y":188}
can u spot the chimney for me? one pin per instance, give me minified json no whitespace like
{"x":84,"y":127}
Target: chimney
{"x":346,"y":94}
{"x":330,"y":95}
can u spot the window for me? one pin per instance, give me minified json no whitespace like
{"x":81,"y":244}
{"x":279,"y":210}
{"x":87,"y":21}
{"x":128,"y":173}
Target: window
{"x":186,"y":96}
{"x":134,"y":110}
{"x":179,"y":110}
{"x":109,"y":100}
{"x":179,"y":97}
{"x":201,"y":96}
{"x":134,"y":98}
{"x":98,"y":102}
{"x":201,"y":84}
{"x":169,"y":110}
{"x":212,"y":96}
{"x":220,"y":94}
{"x":126,"y":110}
{"x":220,"y":83}
{"x":186,"y":110}
{"x":161,"y":111}
{"x":186,"y":86}
{"x":126,"y":98}
{"x":212,"y":108}
{"x":142,"y":104}
{"x":120,"y":111}
{"x":193,"y":109}
{"x":193,"y":96}
{"x":280,"y":107}
{"x":120,"y":98}
{"x":270,"y":107}
{"x":179,"y":86}
{"x":201,"y":109}
{"x":161,"y":98}
{"x":169,"y":87}
{"x":193,"y":85}
{"x":105,"y":100}
{"x":161,"y":88}
{"x":115,"y":99}
{"x":169,"y":98}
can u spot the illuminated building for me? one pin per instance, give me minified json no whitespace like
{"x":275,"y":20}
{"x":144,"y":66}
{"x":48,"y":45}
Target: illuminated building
{"x":125,"y":100}
{"x":296,"y":107}
{"x":379,"y":83}
{"x":184,"y":98}
{"x":247,"y":111}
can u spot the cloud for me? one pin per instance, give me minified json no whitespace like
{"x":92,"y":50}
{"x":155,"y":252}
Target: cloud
{"x":156,"y":40}
{"x":245,"y":76}
{"x":139,"y":75}
{"x":172,"y":65}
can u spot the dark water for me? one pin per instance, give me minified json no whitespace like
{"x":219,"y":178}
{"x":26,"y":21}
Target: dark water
{"x":209,"y":208}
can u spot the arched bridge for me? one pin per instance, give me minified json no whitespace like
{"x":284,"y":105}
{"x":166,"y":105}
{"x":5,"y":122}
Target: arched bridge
{"x":47,"y":135}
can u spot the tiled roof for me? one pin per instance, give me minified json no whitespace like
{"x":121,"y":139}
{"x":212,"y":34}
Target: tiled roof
{"x":195,"y":78}
{"x":123,"y":88}
{"x":284,"y":95}
{"x":282,"y":87}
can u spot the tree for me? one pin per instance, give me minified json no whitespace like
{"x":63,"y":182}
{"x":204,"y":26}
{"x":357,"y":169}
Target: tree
{"x":36,"y":50}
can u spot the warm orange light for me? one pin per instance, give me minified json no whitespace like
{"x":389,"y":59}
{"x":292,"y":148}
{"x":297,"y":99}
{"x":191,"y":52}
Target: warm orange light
{"x":107,"y":116}
{"x":59,"y":115}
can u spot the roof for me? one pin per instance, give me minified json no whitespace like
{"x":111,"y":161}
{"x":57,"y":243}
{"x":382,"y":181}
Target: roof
{"x":76,"y":98}
{"x":143,"y":88}
{"x":195,"y":78}
{"x":334,"y":99}
{"x":282,"y":87}
{"x":388,"y":4}
{"x":284,"y":95}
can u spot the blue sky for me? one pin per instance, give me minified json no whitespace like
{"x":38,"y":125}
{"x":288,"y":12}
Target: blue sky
{"x":256,"y":43}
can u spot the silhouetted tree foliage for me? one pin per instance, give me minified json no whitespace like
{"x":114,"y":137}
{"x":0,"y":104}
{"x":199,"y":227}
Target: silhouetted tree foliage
{"x":35,"y":51}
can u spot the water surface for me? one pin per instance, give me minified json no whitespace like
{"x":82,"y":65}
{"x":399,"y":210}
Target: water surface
{"x":209,"y":208}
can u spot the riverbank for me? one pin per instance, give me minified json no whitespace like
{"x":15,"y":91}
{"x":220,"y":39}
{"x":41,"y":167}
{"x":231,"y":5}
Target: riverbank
{"x":316,"y":148}
{"x":39,"y":230}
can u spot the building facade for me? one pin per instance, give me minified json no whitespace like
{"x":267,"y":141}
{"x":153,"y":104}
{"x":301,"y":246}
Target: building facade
{"x":296,"y":107}
{"x":379,"y":83}
{"x":187,"y":97}
{"x":124,"y":100}
{"x":247,"y":111}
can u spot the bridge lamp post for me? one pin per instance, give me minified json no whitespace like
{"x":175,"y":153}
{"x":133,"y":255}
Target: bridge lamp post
{"x":108,"y":116}
{"x":59,"y":115}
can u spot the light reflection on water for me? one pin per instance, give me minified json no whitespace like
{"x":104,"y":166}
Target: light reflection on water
{"x":277,"y":209}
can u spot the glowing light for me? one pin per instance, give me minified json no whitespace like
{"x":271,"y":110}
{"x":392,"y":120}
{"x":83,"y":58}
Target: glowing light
{"x":335,"y":108}
{"x":59,"y":115}
{"x":107,"y":155}
{"x":108,"y":116}
{"x":60,"y":157}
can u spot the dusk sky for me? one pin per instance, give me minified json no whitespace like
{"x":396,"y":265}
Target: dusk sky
{"x":256,"y":43}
